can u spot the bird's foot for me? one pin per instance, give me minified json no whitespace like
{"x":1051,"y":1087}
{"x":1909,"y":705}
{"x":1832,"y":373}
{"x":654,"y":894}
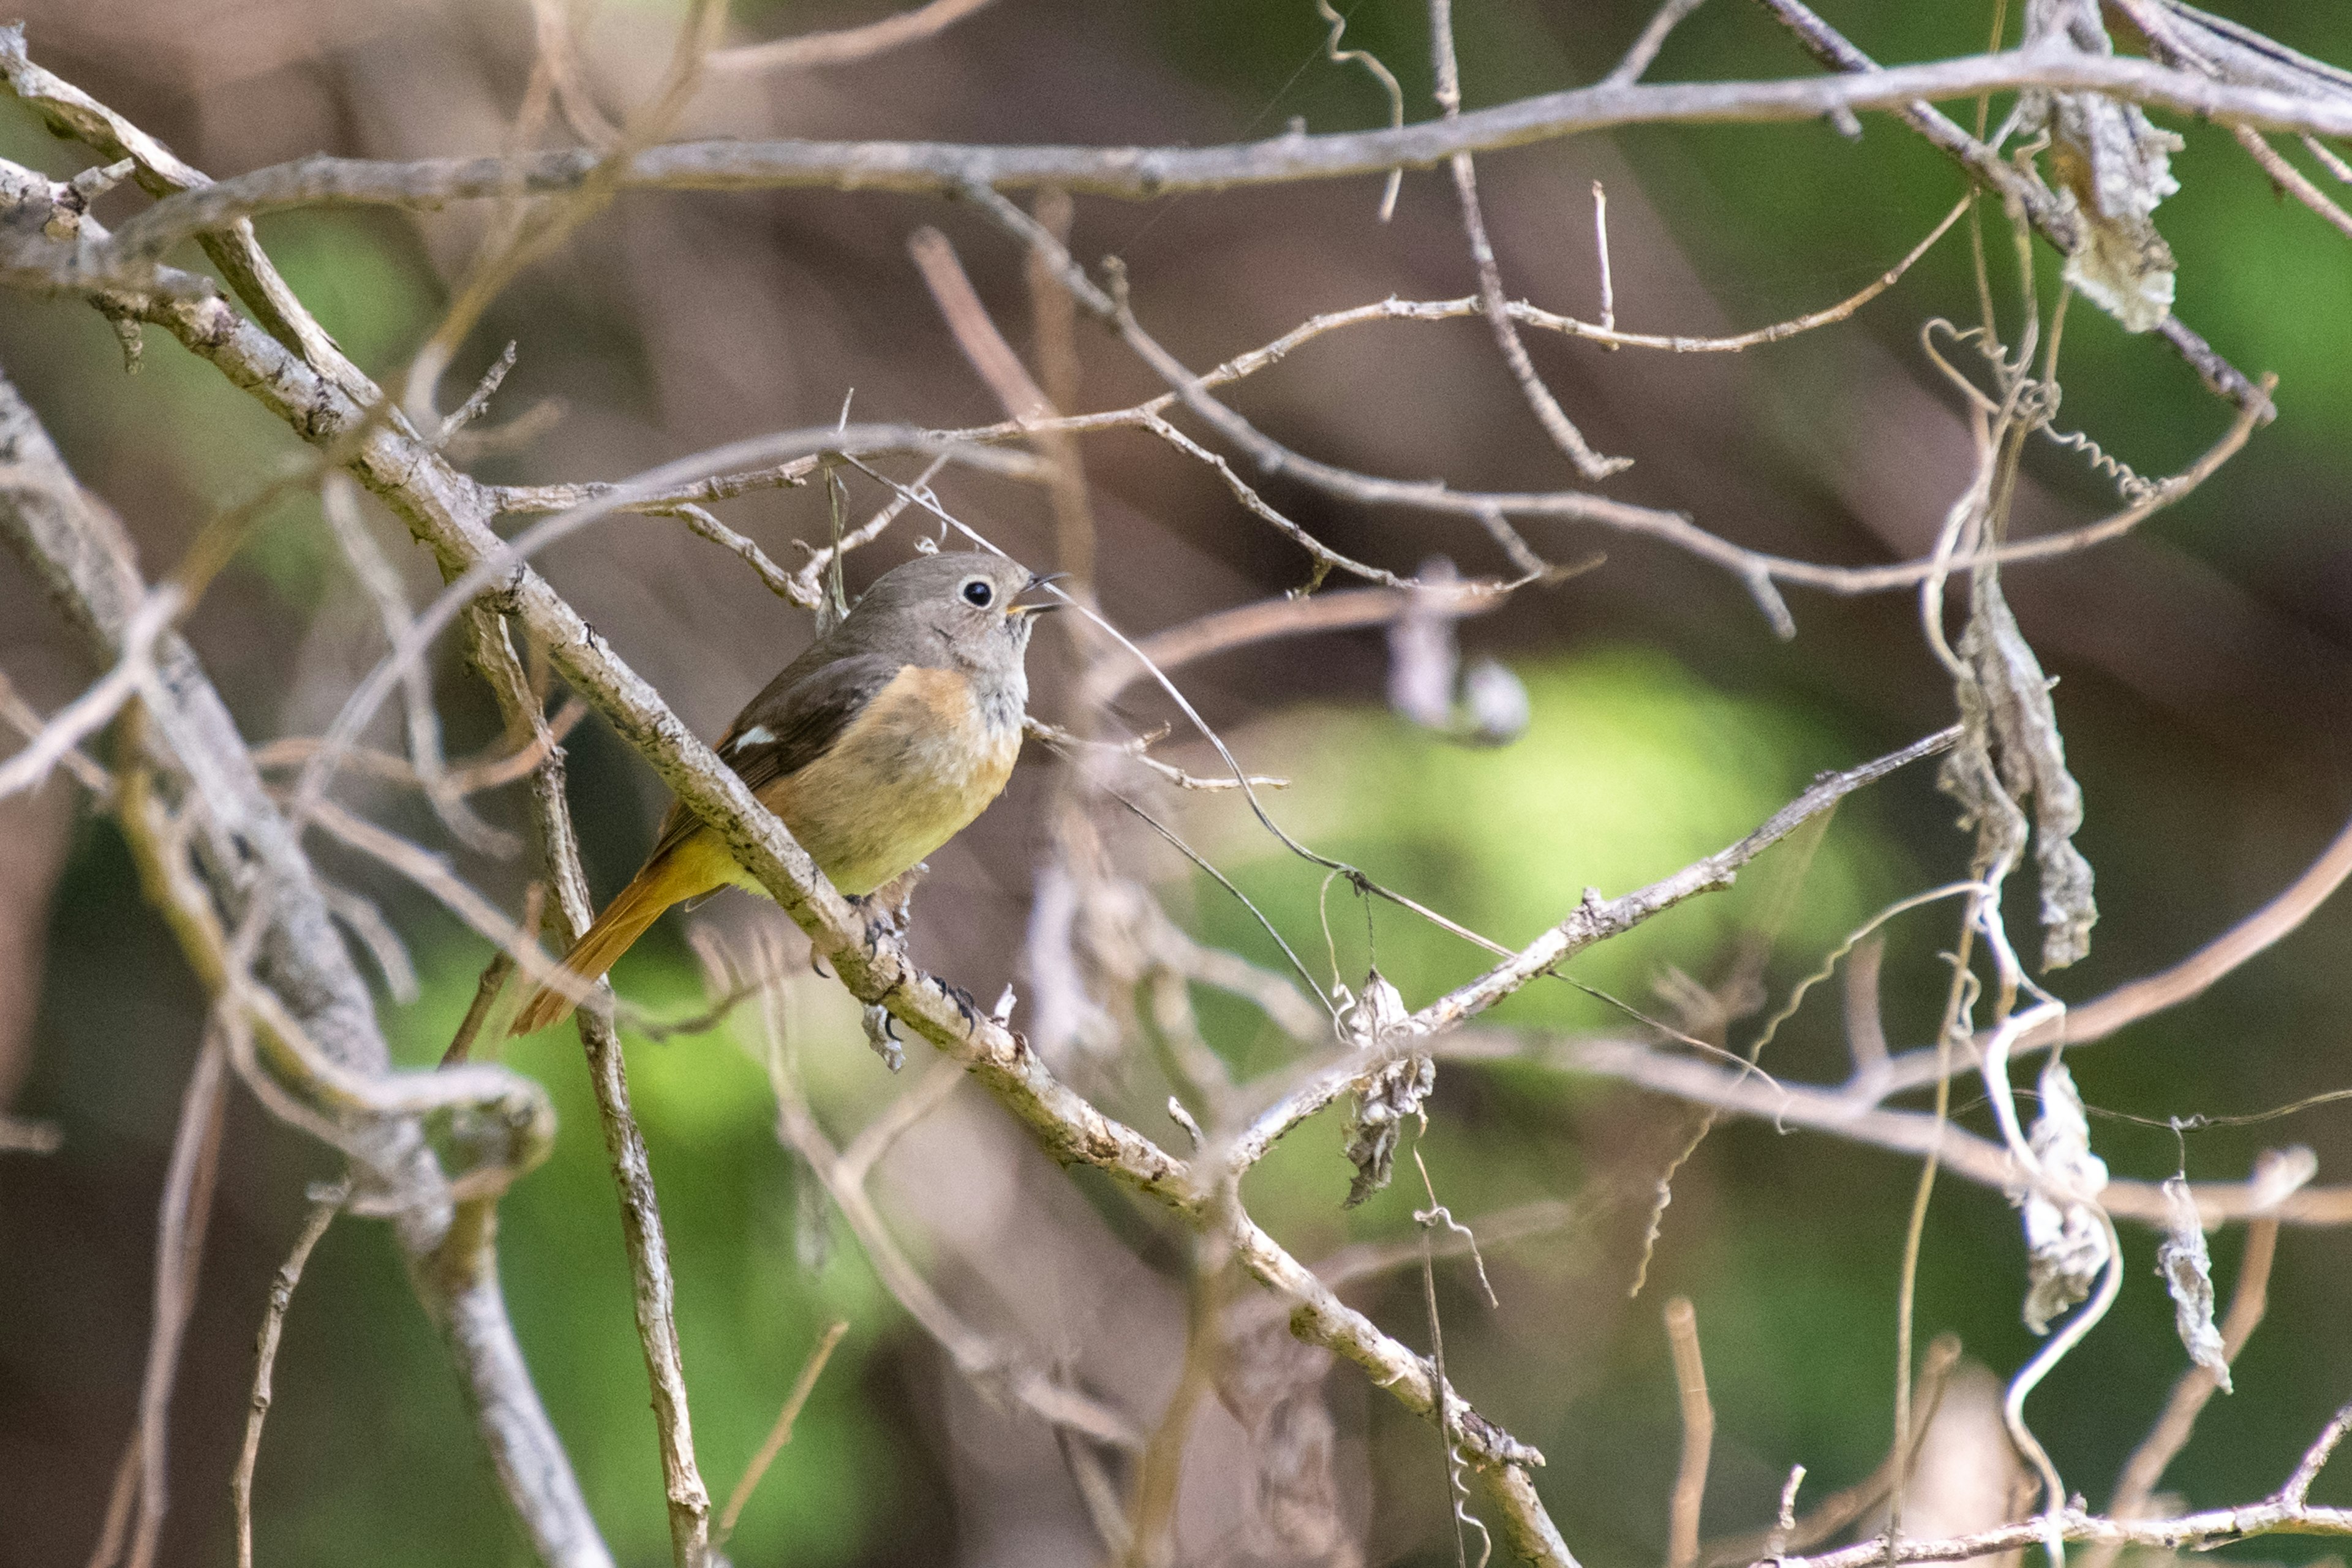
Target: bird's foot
{"x":888,"y":910}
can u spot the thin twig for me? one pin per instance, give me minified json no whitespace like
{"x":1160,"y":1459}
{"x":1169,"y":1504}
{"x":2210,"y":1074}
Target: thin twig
{"x":324,"y":1210}
{"x":652,"y":1290}
{"x":495,"y":974}
{"x":781,"y":1432}
{"x":1590,"y":464}
{"x":846,"y":46}
{"x":1645,"y":47}
{"x":97,"y":707}
{"x":1698,"y":1434}
{"x":2292,"y":180}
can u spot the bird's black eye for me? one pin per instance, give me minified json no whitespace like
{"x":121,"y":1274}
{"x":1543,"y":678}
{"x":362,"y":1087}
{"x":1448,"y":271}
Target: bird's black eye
{"x":979,"y":593}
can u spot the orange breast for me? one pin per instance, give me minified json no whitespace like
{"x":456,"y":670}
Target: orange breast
{"x":918,"y":763}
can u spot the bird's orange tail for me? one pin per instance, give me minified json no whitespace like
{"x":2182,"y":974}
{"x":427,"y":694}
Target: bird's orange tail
{"x":686,"y":870}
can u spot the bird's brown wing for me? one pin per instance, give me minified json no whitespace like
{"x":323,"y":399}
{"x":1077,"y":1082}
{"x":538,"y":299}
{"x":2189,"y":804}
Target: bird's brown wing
{"x":790,"y":725}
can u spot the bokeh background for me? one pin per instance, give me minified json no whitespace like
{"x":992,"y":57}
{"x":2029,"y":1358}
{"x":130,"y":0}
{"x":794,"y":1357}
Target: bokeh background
{"x":2204,"y":693}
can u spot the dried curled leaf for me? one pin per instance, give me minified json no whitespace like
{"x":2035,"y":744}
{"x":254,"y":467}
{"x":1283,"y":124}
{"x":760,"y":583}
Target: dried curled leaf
{"x":2187,"y":1269}
{"x":2113,"y":165}
{"x":2065,"y":1238}
{"x":1389,"y":1096}
{"x":878,"y":1034}
{"x":2010,"y":750}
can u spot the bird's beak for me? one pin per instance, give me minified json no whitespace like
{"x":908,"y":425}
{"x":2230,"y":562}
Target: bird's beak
{"x":1036,"y":582}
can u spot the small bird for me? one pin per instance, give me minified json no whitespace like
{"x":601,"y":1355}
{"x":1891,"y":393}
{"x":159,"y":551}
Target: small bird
{"x":875,"y":746}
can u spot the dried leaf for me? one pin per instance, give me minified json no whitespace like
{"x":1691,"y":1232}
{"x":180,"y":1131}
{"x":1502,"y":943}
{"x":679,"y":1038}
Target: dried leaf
{"x":878,"y":1034}
{"x":1389,"y":1096}
{"x":2113,"y":166}
{"x":2187,"y":1272}
{"x":2065,"y":1239}
{"x":2010,"y":749}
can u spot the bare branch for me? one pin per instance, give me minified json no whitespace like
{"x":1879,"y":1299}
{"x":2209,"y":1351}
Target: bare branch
{"x":652,"y":1293}
{"x":1698,"y":1434}
{"x":847,"y":46}
{"x":1564,"y":434}
{"x":1842,"y":1115}
{"x":1140,"y":173}
{"x":95,"y":708}
{"x":327,"y":1032}
{"x":323,"y":1211}
{"x":1596,"y":920}
{"x":2138,"y":999}
{"x":1653,"y":39}
{"x":781,"y":1432}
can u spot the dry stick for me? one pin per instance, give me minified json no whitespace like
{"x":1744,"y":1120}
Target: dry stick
{"x":1588,"y":463}
{"x":794,"y":471}
{"x":651,"y":1290}
{"x":1221,"y":631}
{"x":781,"y":1432}
{"x":974,"y":332}
{"x":1865,"y":1032}
{"x":1136,"y":750}
{"x":466,"y":778}
{"x":71,"y":112}
{"x":1646,"y":46}
{"x":847,"y":46}
{"x":1756,"y":571}
{"x":184,"y":1214}
{"x":338,"y":502}
{"x":2328,"y":158}
{"x":495,"y":974}
{"x":360,"y":916}
{"x":2284,"y":1511}
{"x":97,"y":707}
{"x":2289,"y":178}
{"x":28,"y":724}
{"x":432,"y":873}
{"x":558,"y":57}
{"x":1144,"y":172}
{"x":1600,"y":249}
{"x":2145,"y":1469}
{"x":273,"y":1323}
{"x":778,"y":582}
{"x":1698,"y":1434}
{"x":1593,"y":920}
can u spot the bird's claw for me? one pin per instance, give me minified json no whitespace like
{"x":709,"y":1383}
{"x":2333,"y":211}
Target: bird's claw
{"x":884,"y":1037}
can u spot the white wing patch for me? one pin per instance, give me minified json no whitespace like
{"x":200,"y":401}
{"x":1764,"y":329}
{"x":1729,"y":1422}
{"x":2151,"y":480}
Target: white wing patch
{"x":757,"y":735}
